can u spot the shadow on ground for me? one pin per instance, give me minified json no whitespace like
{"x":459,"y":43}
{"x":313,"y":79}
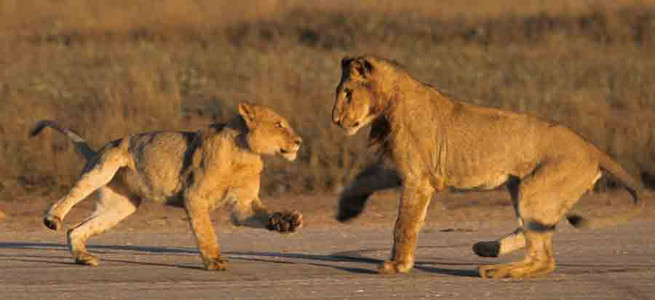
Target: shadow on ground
{"x":330,"y":260}
{"x":335,"y":260}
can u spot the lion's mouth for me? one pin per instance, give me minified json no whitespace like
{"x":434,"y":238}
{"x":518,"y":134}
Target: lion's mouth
{"x":289,"y":154}
{"x":355,"y":126}
{"x":352,"y":130}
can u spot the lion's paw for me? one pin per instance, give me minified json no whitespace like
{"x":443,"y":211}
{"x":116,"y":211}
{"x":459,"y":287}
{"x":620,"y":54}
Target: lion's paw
{"x":284,"y":222}
{"x":52,"y":222}
{"x":526,"y":269}
{"x":216,"y":264}
{"x":393,"y":267}
{"x":87,"y":259}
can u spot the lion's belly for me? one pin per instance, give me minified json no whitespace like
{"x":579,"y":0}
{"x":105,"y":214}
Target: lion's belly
{"x":486,"y":182}
{"x":158,"y":163}
{"x":487,"y":167}
{"x":475,"y":172}
{"x":160,"y":189}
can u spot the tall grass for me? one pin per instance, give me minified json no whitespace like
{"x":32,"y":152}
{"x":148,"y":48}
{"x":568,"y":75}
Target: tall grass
{"x":109,"y":68}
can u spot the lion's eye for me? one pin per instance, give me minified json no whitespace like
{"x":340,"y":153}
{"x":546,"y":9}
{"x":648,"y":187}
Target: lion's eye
{"x":279,"y":125}
{"x":348,"y":96}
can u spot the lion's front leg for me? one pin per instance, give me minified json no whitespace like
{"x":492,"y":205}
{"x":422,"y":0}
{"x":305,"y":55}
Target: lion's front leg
{"x":254,"y":214}
{"x":413,"y":205}
{"x":247,"y":210}
{"x":198,"y":211}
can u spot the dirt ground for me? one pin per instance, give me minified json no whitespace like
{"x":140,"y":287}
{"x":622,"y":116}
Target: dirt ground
{"x":152,"y":255}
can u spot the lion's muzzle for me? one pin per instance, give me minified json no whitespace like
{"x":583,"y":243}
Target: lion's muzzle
{"x":290,"y":153}
{"x":335,"y":117}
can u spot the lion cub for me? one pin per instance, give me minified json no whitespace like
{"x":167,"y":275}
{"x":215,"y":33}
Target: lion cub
{"x":218,"y":165}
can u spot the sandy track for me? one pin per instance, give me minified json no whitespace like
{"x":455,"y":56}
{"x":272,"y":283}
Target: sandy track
{"x":327,"y":262}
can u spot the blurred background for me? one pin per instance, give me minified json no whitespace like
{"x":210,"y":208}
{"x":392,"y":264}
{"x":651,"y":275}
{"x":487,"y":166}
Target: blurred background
{"x":109,"y":68}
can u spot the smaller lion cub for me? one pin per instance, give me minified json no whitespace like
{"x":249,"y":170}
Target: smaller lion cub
{"x":216,"y":166}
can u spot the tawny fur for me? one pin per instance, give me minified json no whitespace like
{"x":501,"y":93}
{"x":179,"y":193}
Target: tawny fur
{"x":217,"y":166}
{"x":435,"y":142}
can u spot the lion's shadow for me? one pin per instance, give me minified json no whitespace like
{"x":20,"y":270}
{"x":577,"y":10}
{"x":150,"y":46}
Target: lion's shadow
{"x":338,"y":260}
{"x":354,"y":261}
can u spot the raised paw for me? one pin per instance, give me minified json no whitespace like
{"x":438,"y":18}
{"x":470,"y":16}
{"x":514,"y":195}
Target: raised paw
{"x":216,"y":264}
{"x":284,"y":221}
{"x":393,"y":267}
{"x":487,"y":249}
{"x":52,"y":222}
{"x":86,"y":259}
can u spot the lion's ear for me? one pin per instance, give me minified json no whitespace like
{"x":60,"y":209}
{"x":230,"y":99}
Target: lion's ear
{"x":345,"y":62}
{"x":247,"y":112}
{"x":363,"y":67}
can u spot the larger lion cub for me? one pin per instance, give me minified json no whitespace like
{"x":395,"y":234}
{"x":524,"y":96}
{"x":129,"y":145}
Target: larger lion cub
{"x":219,"y":165}
{"x":436,"y":143}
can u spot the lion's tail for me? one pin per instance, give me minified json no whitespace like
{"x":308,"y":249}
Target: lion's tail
{"x":80,"y":144}
{"x":607,"y":164}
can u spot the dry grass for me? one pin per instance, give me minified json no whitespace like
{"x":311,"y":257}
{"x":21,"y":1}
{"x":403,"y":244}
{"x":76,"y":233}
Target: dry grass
{"x":108,"y":68}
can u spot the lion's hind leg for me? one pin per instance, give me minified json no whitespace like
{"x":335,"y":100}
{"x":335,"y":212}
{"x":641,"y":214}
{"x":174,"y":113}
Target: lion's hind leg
{"x":511,"y":242}
{"x":111,"y":208}
{"x":539,"y":259}
{"x":97,"y":174}
{"x":544,"y":197}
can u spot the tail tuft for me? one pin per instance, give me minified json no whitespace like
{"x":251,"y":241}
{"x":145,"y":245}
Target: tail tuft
{"x":581,"y":222}
{"x":40,"y":125}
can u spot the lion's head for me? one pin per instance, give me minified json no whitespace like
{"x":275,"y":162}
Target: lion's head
{"x":357,"y":101}
{"x":268,"y":132}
